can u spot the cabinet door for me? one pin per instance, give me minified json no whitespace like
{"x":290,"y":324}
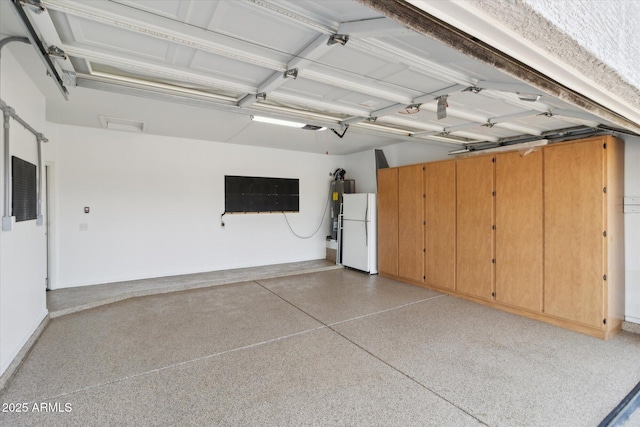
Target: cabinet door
{"x":410,"y":220}
{"x":388,"y":221}
{"x":573,"y":237}
{"x":474,"y":183}
{"x":440,"y":228}
{"x":519,"y":230}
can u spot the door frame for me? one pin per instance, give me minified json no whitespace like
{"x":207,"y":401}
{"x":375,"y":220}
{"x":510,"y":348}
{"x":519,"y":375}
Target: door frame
{"x":50,"y":221}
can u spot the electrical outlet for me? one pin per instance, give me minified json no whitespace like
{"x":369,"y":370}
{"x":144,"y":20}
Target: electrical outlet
{"x":84,"y":227}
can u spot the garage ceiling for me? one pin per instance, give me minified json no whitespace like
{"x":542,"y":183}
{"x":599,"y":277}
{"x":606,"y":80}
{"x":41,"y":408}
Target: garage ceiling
{"x":201,"y":69}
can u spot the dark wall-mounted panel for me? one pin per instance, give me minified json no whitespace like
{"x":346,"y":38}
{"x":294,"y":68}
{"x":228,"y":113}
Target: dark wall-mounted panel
{"x":24,"y":189}
{"x":258,"y":194}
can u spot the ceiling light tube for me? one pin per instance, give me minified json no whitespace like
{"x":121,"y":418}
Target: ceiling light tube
{"x":529,"y":97}
{"x":461,"y":151}
{"x":262,"y":119}
{"x":384,"y":128}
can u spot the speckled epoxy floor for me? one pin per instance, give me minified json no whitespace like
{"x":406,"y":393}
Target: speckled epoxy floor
{"x":329,"y":348}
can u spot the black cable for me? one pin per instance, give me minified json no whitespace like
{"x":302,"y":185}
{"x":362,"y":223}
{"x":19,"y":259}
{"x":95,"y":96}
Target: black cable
{"x":346,"y":127}
{"x":324,"y":213}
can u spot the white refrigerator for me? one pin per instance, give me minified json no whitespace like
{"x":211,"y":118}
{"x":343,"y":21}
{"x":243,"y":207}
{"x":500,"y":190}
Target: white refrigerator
{"x":359,"y":241}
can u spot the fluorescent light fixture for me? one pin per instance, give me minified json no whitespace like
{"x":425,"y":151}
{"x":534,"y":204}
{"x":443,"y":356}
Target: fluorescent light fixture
{"x":277,"y":122}
{"x":280,"y":122}
{"x":529,"y":97}
{"x":127,"y":125}
{"x":461,"y":151}
{"x":383,"y":128}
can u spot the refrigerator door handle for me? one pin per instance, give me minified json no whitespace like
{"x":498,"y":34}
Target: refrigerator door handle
{"x":366,"y":211}
{"x":366,"y":233}
{"x":366,"y":222}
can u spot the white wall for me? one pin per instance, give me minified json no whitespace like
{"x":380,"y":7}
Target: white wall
{"x":155,"y":205}
{"x":362,"y":167}
{"x":22,"y":250}
{"x":632,"y":231}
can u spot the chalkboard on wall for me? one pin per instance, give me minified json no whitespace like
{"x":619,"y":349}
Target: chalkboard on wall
{"x":244,"y":194}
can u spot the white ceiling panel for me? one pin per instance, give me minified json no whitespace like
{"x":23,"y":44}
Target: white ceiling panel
{"x":174,"y":9}
{"x":329,"y":11}
{"x":92,"y":34}
{"x":219,"y":66}
{"x":449,"y":58}
{"x":246,"y":21}
{"x":213,"y":64}
{"x":412,"y":79}
{"x":353,"y":61}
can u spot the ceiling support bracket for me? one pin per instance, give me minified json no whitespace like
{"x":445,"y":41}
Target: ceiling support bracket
{"x":292,"y":73}
{"x":340,"y":39}
{"x":57,"y":52}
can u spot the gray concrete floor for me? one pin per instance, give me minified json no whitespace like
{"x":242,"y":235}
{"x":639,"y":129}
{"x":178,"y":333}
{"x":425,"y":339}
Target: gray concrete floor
{"x":328,"y":348}
{"x":71,"y":300}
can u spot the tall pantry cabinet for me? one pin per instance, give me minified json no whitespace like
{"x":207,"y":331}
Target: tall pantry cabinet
{"x":584,"y":236}
{"x":536,"y":233}
{"x":475,"y":258}
{"x":440,"y":224}
{"x":519,"y":229}
{"x":410,"y":223}
{"x":388,"y":221}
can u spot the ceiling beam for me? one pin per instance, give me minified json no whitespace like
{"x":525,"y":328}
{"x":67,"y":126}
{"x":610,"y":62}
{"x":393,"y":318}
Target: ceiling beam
{"x":141,"y":22}
{"x":170,"y":72}
{"x":171,"y":31}
{"x":146,"y":91}
{"x":508,"y":87}
{"x":463,"y":27}
{"x":312,"y":51}
{"x":375,"y":27}
{"x":299,"y":18}
{"x":401,"y":105}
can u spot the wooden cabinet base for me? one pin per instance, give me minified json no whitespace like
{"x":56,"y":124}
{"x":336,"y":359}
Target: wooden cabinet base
{"x":614,"y":326}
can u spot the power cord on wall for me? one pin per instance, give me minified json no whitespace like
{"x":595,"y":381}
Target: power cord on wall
{"x":324,"y":213}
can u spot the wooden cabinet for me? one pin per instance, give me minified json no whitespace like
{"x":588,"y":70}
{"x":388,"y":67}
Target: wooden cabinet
{"x":474,"y":239}
{"x":519,"y":229}
{"x":582,"y":230}
{"x":388,"y":221}
{"x":440,"y":227}
{"x":540,"y":235}
{"x":410,"y":223}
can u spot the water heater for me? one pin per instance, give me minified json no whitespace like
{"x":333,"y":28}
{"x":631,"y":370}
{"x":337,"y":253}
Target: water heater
{"x":338,"y":188}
